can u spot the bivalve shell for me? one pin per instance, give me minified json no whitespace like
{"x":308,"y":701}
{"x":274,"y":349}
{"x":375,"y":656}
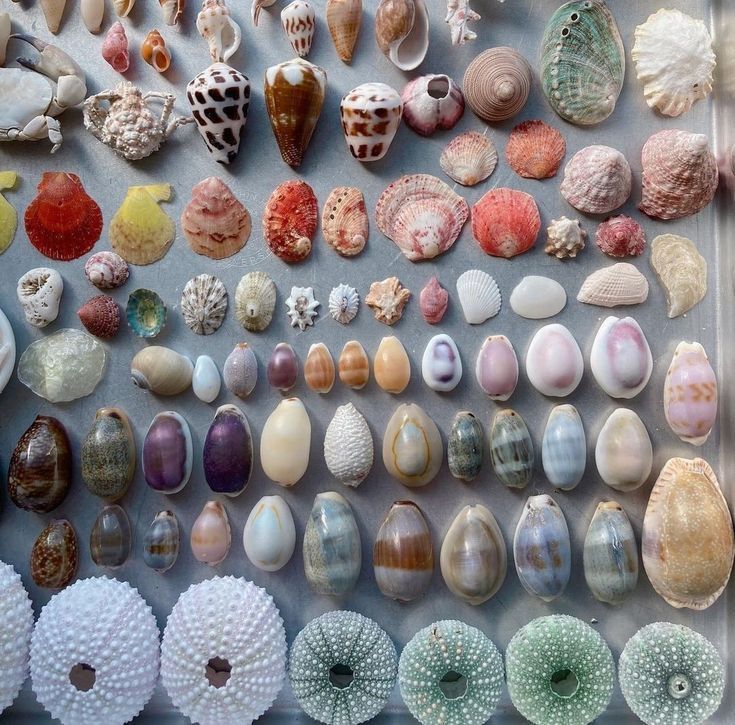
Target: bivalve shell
{"x":469,"y":158}
{"x":554,"y":362}
{"x":319,"y":372}
{"x":391,"y":366}
{"x":535,"y":150}
{"x":505,"y":222}
{"x":597,"y":180}
{"x":511,"y":449}
{"x":432,"y":102}
{"x":370,"y":114}
{"x":496,"y":367}
{"x":441,"y":365}
{"x":564,"y":448}
{"x":619,"y":284}
{"x":255,"y":301}
{"x":623,"y":453}
{"x":412,"y":446}
{"x":402,"y":32}
{"x":345,"y":221}
{"x":465,"y":446}
{"x":479,"y":296}
{"x":269,"y":537}
{"x":537,"y":298}
{"x":348,"y":446}
{"x":285,"y":442}
{"x":681,"y":270}
{"x":204,"y":304}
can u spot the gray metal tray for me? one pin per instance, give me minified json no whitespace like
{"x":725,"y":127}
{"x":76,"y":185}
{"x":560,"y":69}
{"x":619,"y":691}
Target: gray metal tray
{"x":184,"y":161}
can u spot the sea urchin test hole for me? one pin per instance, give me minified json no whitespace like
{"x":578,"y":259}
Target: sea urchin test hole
{"x":438,"y":87}
{"x":82,"y":676}
{"x":341,"y":676}
{"x":679,"y":686}
{"x":218,"y":672}
{"x":453,"y":685}
{"x":564,"y":683}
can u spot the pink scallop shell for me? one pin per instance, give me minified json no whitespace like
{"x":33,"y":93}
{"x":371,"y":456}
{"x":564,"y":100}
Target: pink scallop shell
{"x":505,"y":222}
{"x":535,"y":150}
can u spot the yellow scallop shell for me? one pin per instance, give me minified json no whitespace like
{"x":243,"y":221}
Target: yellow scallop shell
{"x":8,"y":215}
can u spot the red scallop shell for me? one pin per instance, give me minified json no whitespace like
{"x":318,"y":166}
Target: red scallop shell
{"x":289,"y":221}
{"x":621,"y":236}
{"x":505,"y":222}
{"x":63,"y":222}
{"x":100,"y":315}
{"x":535,"y":150}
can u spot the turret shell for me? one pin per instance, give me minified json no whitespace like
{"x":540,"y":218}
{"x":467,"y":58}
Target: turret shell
{"x":344,"y":18}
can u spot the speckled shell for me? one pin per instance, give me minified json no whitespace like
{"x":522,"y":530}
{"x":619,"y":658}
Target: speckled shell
{"x":619,"y":284}
{"x":597,"y":180}
{"x":106,"y":270}
{"x":255,"y":301}
{"x":681,"y":270}
{"x":391,"y":366}
{"x":161,"y":370}
{"x":54,"y":555}
{"x":348,"y":446}
{"x":204,"y":304}
{"x":343,"y":303}
{"x":479,"y":296}
{"x":469,"y":158}
{"x":402,"y":32}
{"x":688,"y":535}
{"x":620,"y":236}
{"x":554,"y":362}
{"x":290,"y":221}
{"x":565,"y":238}
{"x":387,"y":299}
{"x":412,"y":446}
{"x":100,"y":316}
{"x":354,"y":365}
{"x":108,"y":454}
{"x":623,"y":452}
{"x":582,"y":62}
{"x":464,"y":446}
{"x":564,"y":448}
{"x":496,"y":367}
{"x":269,"y":536}
{"x":319,"y":371}
{"x":345,"y":221}
{"x":240,"y":371}
{"x":505,"y":222}
{"x":511,"y":449}
{"x":432,"y":102}
{"x":433,"y":301}
{"x":344,"y":18}
{"x":535,"y":150}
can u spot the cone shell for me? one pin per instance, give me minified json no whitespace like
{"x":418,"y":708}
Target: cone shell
{"x":623,"y":452}
{"x":344,"y":18}
{"x":469,"y":158}
{"x":432,"y":102}
{"x":345,"y":221}
{"x":554,"y":362}
{"x":497,"y":83}
{"x":348,"y":446}
{"x":204,"y":304}
{"x":402,"y":32}
{"x":354,"y":365}
{"x":681,"y":270}
{"x":298,"y":19}
{"x":294,"y":95}
{"x":679,"y":174}
{"x":285,"y":443}
{"x":290,"y":221}
{"x":479,"y":296}
{"x":63,"y":222}
{"x":210,"y":534}
{"x":505,"y":222}
{"x":153,"y":51}
{"x":688,"y":535}
{"x":100,"y":315}
{"x":621,"y":236}
{"x":496,"y":368}
{"x":255,"y":300}
{"x":422,"y":215}
{"x":387,"y":299}
{"x":55,"y":555}
{"x":597,"y":180}
{"x":433,"y":301}
{"x":391,"y":366}
{"x":619,"y":284}
{"x":565,"y":238}
{"x":106,"y":270}
{"x":52,"y":12}
{"x":412,"y":446}
{"x":161,"y":370}
{"x":214,"y":221}
{"x":115,"y":47}
{"x":511,"y":449}
{"x":535,"y":150}
{"x":319,"y":368}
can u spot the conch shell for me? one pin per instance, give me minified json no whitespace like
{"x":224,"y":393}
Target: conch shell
{"x":344,"y":18}
{"x":402,"y":32}
{"x":217,"y":27}
{"x":154,"y":52}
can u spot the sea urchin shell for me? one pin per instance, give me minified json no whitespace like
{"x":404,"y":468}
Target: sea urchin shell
{"x":505,"y":222}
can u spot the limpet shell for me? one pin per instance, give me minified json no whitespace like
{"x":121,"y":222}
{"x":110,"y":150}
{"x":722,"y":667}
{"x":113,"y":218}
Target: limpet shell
{"x":681,"y":270}
{"x":345,"y":221}
{"x":619,"y":284}
{"x":255,"y":301}
{"x":432,"y":102}
{"x":344,"y":303}
{"x":469,"y":158}
{"x":535,"y":150}
{"x":479,"y":296}
{"x":146,"y":313}
{"x":301,"y":307}
{"x":505,"y":222}
{"x":204,"y":304}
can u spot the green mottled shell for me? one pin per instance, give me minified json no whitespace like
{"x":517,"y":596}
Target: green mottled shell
{"x":582,"y":62}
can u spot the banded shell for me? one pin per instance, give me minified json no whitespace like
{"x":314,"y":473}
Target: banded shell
{"x":681,"y":270}
{"x":343,"y":303}
{"x":565,"y":238}
{"x":496,"y":83}
{"x":255,"y":301}
{"x":619,"y":284}
{"x":298,"y":19}
{"x":464,"y":446}
{"x":554,"y":362}
{"x":106,"y":270}
{"x":161,"y":542}
{"x":620,"y":236}
{"x":433,"y":301}
{"x":301,"y":307}
{"x":537,"y":298}
{"x":161,"y":370}
{"x":535,"y":150}
{"x":345,"y":221}
{"x":422,"y":215}
{"x":496,"y":368}
{"x":564,"y":448}
{"x":505,"y":222}
{"x":469,"y":158}
{"x":402,"y":32}
{"x":319,"y":372}
{"x":479,"y":296}
{"x":348,"y":446}
{"x":511,"y":449}
{"x":204,"y":304}
{"x":354,"y":365}
{"x":344,"y":18}
{"x":240,"y":371}
{"x":441,"y":365}
{"x":623,"y":452}
{"x":110,"y":538}
{"x":582,"y":62}
{"x":688,"y":535}
{"x":387,"y":299}
{"x":391,"y":366}
{"x":432,"y":102}
{"x":290,"y":220}
{"x":597,"y":180}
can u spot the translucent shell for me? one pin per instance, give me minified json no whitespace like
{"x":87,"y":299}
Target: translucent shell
{"x":153,"y":51}
{"x":621,"y":236}
{"x":402,"y":32}
{"x":674,"y":59}
{"x":290,"y":221}
{"x":479,"y":296}
{"x":554,"y":362}
{"x":681,"y":270}
{"x":623,"y":452}
{"x":146,"y":313}
{"x":255,"y":301}
{"x":204,"y":304}
{"x":343,"y":303}
{"x":115,"y":47}
{"x":505,"y":222}
{"x":8,"y":215}
{"x":565,"y":238}
{"x":63,"y":222}
{"x":582,"y":62}
{"x":210,"y":536}
{"x":688,"y":535}
{"x":432,"y":102}
{"x":619,"y":284}
{"x":433,"y":301}
{"x":344,"y":18}
{"x":106,"y":270}
{"x":469,"y":158}
{"x":535,"y":150}
{"x":140,"y":231}
{"x":564,"y":448}
{"x":387,"y":299}
{"x":345,"y":221}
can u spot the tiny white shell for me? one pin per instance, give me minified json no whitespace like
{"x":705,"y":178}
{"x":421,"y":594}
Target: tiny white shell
{"x":301,"y":306}
{"x":623,"y":453}
{"x":441,"y":365}
{"x":206,"y":382}
{"x":479,"y":296}
{"x":536,"y":298}
{"x":269,"y":537}
{"x":348,"y":446}
{"x":344,"y":303}
{"x":554,"y":363}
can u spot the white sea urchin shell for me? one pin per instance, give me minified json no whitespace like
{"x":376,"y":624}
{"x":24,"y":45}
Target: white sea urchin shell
{"x":102,"y":630}
{"x":231,"y":627}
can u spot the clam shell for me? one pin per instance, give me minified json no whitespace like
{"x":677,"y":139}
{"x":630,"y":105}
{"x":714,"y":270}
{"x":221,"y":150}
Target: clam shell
{"x":554,"y":362}
{"x":210,"y":534}
{"x":269,"y":537}
{"x":537,"y":298}
{"x":432,"y":102}
{"x":204,"y":304}
{"x":298,"y":19}
{"x":391,"y":366}
{"x":345,"y":221}
{"x":146,"y":313}
{"x":564,"y":448}
{"x":388,"y":298}
{"x":348,"y":446}
{"x":433,"y":301}
{"x":688,"y":535}
{"x":623,"y":452}
{"x":620,"y":236}
{"x":505,"y":222}
{"x":469,"y":158}
{"x":535,"y":150}
{"x":290,"y":221}
{"x":464,"y":446}
{"x":255,"y":300}
{"x":161,"y":370}
{"x":402,"y":32}
{"x":343,"y":303}
{"x":285,"y":442}
{"x":412,"y":446}
{"x":240,"y":371}
{"x":227,"y":455}
{"x":283,"y":367}
{"x":354,"y":365}
{"x":441,"y":365}
{"x":511,"y":449}
{"x":479,"y":296}
{"x":370,"y":114}
{"x":565,"y":238}
{"x":496,"y":367}
{"x":106,"y":270}
{"x":205,"y":381}
{"x":619,"y":284}
{"x":681,"y":270}
{"x":319,"y":368}
{"x":344,"y":18}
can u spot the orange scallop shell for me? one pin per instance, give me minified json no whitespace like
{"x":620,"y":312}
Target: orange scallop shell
{"x":505,"y":222}
{"x":535,"y":150}
{"x":63,"y":222}
{"x":289,"y":221}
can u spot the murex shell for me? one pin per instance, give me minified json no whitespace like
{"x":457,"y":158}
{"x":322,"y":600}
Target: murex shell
{"x":554,"y":362}
{"x":255,"y":301}
{"x":290,"y":221}
{"x":479,"y":296}
{"x":535,"y":150}
{"x":204,"y":304}
{"x":402,"y":31}
{"x":681,"y":270}
{"x":505,"y":222}
{"x":216,"y":25}
{"x":564,"y":448}
{"x":432,"y":102}
{"x":345,"y":221}
{"x":565,"y":238}
{"x":582,"y":62}
{"x":619,"y":284}
{"x":412,"y":446}
{"x":348,"y":446}
{"x":469,"y":158}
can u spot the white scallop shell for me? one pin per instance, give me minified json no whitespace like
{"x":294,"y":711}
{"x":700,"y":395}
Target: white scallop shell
{"x":348,"y":446}
{"x":619,"y":284}
{"x":479,"y":296}
{"x":536,"y":298}
{"x":469,"y":158}
{"x":343,"y":303}
{"x":554,"y":362}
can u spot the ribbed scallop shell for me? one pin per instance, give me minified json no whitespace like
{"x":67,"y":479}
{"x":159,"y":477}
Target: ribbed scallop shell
{"x":348,"y":446}
{"x":255,"y":300}
{"x":345,"y":221}
{"x":674,"y":59}
{"x":535,"y":150}
{"x":621,"y":236}
{"x":681,"y":270}
{"x":497,"y":83}
{"x":597,"y":180}
{"x":469,"y":158}
{"x":422,"y":215}
{"x":204,"y":304}
{"x":479,"y":296}
{"x":619,"y":284}
{"x":290,"y":221}
{"x":344,"y":303}
{"x":505,"y":222}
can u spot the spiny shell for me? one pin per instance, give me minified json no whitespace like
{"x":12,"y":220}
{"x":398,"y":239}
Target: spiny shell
{"x":298,"y":19}
{"x":161,"y":542}
{"x":565,"y":238}
{"x":354,"y":365}
{"x":433,"y":301}
{"x":465,"y":446}
{"x":597,"y":180}
{"x":479,"y":296}
{"x":348,"y":446}
{"x":106,"y":270}
{"x":301,"y":307}
{"x":511,"y":449}
{"x":344,"y":18}
{"x":412,"y":446}
{"x":319,"y":368}
{"x":387,"y":299}
{"x":623,"y":452}
{"x":554,"y":362}
{"x":496,"y":83}
{"x":204,"y":304}
{"x":441,"y":365}
{"x":674,"y":59}
{"x":688,"y":535}
{"x":255,"y":300}
{"x":391,"y":365}
{"x":100,"y":315}
{"x":620,"y":236}
{"x":537,"y":298}
{"x":217,"y":26}
{"x":285,"y":442}
{"x":283,"y":367}
{"x":681,"y":270}
{"x":39,"y":293}
{"x":469,"y":158}
{"x":269,"y":536}
{"x":619,"y":284}
{"x":564,"y":448}
{"x":110,"y":538}
{"x":240,"y":371}
{"x":535,"y":150}
{"x":210,"y":537}
{"x":402,"y":32}
{"x":54,"y":555}
{"x":505,"y":222}
{"x":582,"y":62}
{"x":343,"y":303}
{"x":432,"y":102}
{"x":345,"y":221}
{"x":146,"y":313}
{"x":289,"y":221}
{"x":422,"y":215}
{"x":161,"y":370}
{"x":496,"y":368}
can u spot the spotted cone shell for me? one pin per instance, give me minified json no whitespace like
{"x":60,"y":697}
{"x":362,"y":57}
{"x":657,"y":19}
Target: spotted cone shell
{"x":345,"y":221}
{"x":505,"y":222}
{"x":290,"y":221}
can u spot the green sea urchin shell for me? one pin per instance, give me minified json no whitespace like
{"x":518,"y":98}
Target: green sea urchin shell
{"x":451,"y":673}
{"x":342,"y":668}
{"x":671,"y":674}
{"x":582,"y":62}
{"x":560,"y":671}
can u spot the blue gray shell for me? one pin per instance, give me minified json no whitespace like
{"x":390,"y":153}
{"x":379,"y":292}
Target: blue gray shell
{"x":564,"y":448}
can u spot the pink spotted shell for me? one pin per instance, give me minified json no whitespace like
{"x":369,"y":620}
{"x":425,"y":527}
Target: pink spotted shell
{"x":432,"y":102}
{"x":505,"y":222}
{"x":115,"y":48}
{"x":433,"y":301}
{"x":621,"y":236}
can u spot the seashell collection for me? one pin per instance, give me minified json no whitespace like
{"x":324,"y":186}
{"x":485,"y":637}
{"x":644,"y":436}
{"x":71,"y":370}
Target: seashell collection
{"x":251,"y":365}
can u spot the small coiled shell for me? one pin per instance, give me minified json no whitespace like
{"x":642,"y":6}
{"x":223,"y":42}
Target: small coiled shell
{"x":565,"y":238}
{"x":153,"y":51}
{"x":345,"y":221}
{"x":106,"y":270}
{"x":204,"y":304}
{"x":433,"y":301}
{"x":597,"y":180}
{"x":348,"y":446}
{"x":161,"y":370}
{"x":621,"y":236}
{"x":619,"y":284}
{"x":469,"y":158}
{"x":343,"y":303}
{"x":255,"y":301}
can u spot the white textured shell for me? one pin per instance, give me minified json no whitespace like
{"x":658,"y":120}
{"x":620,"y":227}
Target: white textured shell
{"x":39,"y":292}
{"x":469,"y":158}
{"x":15,"y":634}
{"x":348,"y":446}
{"x":301,"y":307}
{"x":479,"y":296}
{"x":681,"y":270}
{"x":237,"y":621}
{"x":105,"y":624}
{"x":674,"y":59}
{"x":619,"y":284}
{"x":343,"y":303}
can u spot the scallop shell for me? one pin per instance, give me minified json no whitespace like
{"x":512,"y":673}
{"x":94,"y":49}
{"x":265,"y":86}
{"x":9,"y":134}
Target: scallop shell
{"x":582,"y":62}
{"x":681,"y":270}
{"x":348,"y":446}
{"x":106,"y":270}
{"x":479,"y":296}
{"x":422,"y":215}
{"x":674,"y":59}
{"x":343,"y":303}
{"x":679,"y":174}
{"x":344,"y":18}
{"x":433,"y":301}
{"x":432,"y":102}
{"x":597,"y":180}
{"x":8,"y":215}
{"x":298,"y":19}
{"x":497,"y":83}
{"x":146,"y":313}
{"x":204,"y":304}
{"x":255,"y":301}
{"x":621,"y":236}
{"x":505,"y":222}
{"x":619,"y":284}
{"x":345,"y":221}
{"x":565,"y":238}
{"x":402,"y":32}
{"x":387,"y":299}
{"x":302,"y":306}
{"x":290,"y":221}
{"x":535,"y":150}
{"x":469,"y":158}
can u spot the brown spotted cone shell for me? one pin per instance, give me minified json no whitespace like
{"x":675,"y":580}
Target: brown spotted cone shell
{"x":55,"y":555}
{"x":100,"y":315}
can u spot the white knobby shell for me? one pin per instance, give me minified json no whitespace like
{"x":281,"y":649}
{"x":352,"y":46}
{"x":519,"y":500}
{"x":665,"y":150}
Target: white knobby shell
{"x":536,"y":298}
{"x":479,"y":296}
{"x":348,"y":446}
{"x":269,"y":537}
{"x":343,"y":303}
{"x":554,"y":362}
{"x":619,"y":284}
{"x":301,"y":307}
{"x":39,"y":292}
